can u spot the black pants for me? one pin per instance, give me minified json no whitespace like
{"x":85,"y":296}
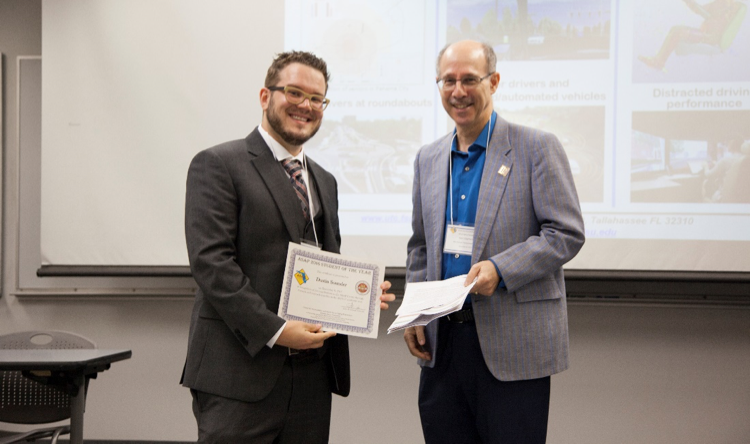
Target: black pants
{"x":460,"y":401}
{"x":298,"y":409}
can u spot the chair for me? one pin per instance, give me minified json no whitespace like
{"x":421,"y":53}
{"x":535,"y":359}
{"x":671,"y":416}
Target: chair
{"x":36,"y":398}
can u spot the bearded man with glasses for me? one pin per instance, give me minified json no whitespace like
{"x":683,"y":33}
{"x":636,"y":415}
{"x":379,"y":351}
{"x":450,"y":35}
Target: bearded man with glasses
{"x":495,"y":201}
{"x":255,"y":378}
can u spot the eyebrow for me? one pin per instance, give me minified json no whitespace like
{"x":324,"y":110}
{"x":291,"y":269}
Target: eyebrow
{"x":303,"y":89}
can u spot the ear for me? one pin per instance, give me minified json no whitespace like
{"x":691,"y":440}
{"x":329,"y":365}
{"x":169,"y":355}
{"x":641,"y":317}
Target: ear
{"x":265,"y":98}
{"x":494,"y":81}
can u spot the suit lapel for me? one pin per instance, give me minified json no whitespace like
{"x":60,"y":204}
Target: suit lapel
{"x":436,"y":184}
{"x":326,"y":196}
{"x":277,"y":183}
{"x":498,"y":160}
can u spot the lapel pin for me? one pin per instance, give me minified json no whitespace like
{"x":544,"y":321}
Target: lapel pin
{"x":503,"y":171}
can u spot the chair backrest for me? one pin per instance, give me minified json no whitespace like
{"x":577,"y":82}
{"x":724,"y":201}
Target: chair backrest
{"x":738,"y":12}
{"x":25,"y":401}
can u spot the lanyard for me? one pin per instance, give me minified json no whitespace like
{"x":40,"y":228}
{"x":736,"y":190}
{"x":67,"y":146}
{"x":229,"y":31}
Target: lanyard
{"x":309,"y":194}
{"x":450,"y":166}
{"x":309,"y":199}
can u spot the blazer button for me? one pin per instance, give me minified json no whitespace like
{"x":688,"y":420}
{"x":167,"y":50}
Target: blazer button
{"x":241,"y":337}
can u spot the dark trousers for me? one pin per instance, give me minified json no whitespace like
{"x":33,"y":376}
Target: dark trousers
{"x":461,"y":402}
{"x":298,"y":409}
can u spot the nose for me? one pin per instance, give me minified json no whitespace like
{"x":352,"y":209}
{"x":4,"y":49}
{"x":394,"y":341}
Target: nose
{"x":305,"y":103}
{"x":459,"y":90}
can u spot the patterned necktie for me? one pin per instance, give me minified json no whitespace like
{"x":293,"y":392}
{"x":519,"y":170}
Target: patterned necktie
{"x":294,"y":168}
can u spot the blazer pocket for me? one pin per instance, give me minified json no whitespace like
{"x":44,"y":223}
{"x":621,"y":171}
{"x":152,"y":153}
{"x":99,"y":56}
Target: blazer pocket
{"x":207,"y":311}
{"x":539,"y":290}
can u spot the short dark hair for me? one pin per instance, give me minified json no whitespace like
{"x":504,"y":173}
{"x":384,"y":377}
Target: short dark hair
{"x":286,"y":58}
{"x":489,"y":56}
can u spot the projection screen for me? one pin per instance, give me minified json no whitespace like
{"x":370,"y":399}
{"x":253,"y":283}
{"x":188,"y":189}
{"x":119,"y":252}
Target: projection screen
{"x":650,"y":98}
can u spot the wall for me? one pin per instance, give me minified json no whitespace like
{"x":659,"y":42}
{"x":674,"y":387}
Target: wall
{"x":640,"y":372}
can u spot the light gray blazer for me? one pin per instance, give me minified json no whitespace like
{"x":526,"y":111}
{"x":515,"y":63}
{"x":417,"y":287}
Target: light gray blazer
{"x":529,"y":222}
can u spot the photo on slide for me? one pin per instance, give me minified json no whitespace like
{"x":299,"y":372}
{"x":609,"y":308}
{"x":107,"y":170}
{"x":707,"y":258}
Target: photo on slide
{"x":676,"y":157}
{"x":364,"y":42}
{"x":691,"y":41}
{"x":584,"y":144}
{"x":368,"y":156}
{"x":534,"y":29}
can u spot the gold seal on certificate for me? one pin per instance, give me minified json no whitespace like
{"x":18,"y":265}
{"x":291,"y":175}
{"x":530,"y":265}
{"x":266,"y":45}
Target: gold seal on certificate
{"x":339,"y":292}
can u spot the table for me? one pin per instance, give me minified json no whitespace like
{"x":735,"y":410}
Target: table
{"x":72,"y":365}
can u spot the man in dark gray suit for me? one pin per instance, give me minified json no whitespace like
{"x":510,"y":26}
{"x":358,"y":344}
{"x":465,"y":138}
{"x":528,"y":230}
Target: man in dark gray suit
{"x":509,"y":190}
{"x":253,"y":376}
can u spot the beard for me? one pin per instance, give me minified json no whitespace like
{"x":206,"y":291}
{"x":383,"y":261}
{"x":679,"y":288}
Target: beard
{"x":274,"y":119}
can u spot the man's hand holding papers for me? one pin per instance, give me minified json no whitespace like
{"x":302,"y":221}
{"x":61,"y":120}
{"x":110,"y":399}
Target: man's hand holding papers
{"x":426,"y":301}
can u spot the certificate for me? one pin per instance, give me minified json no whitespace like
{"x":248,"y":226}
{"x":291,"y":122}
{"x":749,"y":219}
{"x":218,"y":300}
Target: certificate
{"x":339,"y":292}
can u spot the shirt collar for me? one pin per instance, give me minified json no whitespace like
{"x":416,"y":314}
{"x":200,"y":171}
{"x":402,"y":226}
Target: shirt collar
{"x":278,"y":150}
{"x":481,"y":140}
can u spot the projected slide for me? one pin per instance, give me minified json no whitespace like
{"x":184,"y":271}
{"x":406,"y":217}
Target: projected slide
{"x":649,"y":98}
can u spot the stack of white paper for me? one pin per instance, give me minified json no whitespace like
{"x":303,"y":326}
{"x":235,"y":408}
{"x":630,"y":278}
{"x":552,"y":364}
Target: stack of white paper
{"x":426,"y":301}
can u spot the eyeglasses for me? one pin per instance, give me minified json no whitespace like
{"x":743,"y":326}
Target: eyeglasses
{"x":295,"y":96}
{"x":468,"y":82}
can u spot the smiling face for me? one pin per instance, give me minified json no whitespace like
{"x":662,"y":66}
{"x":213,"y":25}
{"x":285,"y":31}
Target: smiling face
{"x":292,"y":125}
{"x":470,"y":109}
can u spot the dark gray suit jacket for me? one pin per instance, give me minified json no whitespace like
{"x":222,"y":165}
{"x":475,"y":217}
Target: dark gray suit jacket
{"x":240,"y":214}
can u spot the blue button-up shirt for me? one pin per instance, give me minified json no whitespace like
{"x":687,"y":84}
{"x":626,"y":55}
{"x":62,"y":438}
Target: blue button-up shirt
{"x":467,"y":176}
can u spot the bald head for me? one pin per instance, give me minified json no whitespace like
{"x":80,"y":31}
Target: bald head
{"x":467,"y":80}
{"x":468,"y":49}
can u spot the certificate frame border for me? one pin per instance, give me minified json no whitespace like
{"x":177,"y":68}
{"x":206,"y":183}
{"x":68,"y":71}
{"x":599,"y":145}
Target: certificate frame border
{"x":289,"y":278}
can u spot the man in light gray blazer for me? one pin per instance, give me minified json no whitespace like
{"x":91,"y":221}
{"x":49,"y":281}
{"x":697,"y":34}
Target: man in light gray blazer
{"x":509,"y":189}
{"x":254,"y":377}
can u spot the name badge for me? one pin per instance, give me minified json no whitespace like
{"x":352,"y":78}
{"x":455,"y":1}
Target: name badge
{"x":459,"y":239}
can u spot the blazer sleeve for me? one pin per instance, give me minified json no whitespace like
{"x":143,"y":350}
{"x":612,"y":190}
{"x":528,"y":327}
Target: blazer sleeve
{"x":557,"y":218}
{"x":211,"y":226}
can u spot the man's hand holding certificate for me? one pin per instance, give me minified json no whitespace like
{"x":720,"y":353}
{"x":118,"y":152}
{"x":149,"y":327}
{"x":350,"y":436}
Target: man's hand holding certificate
{"x":341,"y":293}
{"x":426,"y":301}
